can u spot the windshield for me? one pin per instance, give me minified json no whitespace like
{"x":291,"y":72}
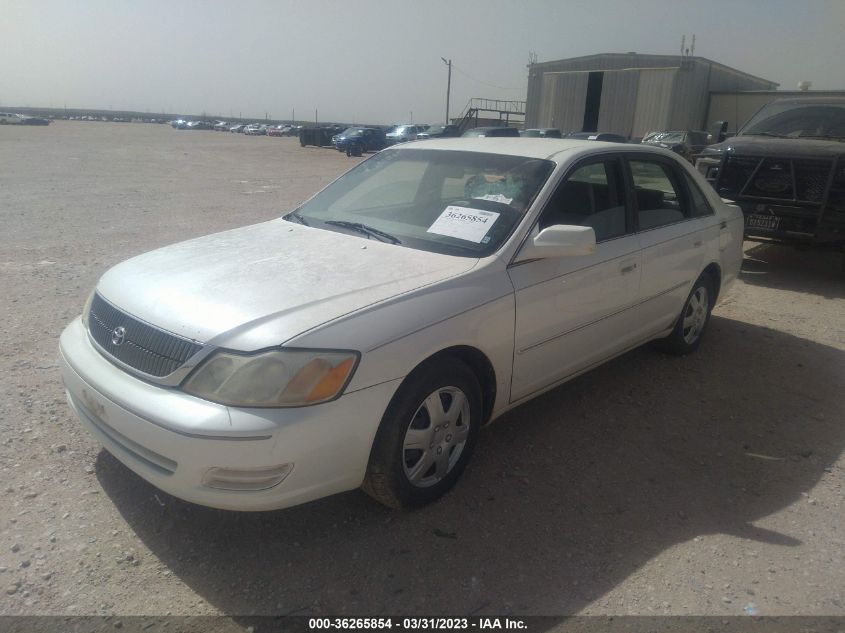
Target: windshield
{"x":457,"y":203}
{"x":795,"y":120}
{"x":667,"y":137}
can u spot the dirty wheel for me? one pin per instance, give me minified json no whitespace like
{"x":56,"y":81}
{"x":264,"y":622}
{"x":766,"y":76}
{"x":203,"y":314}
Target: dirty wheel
{"x":426,"y":436}
{"x":690,"y":326}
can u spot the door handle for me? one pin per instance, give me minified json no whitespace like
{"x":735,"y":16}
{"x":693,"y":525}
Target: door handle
{"x":723,"y":224}
{"x":628,"y":269}
{"x":697,"y":243}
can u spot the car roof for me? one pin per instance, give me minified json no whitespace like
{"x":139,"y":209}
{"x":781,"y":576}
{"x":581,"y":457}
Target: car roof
{"x":554,"y":149}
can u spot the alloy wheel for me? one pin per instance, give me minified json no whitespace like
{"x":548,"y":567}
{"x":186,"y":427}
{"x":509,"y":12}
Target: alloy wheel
{"x":695,"y":315}
{"x":436,"y":437}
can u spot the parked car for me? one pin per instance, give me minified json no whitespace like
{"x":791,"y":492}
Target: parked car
{"x":237,"y":129}
{"x":199,"y":125}
{"x":605,"y":137}
{"x":542,"y":132}
{"x":490,"y":132}
{"x":363,"y":339}
{"x":35,"y":120}
{"x":255,"y":129}
{"x":687,"y":143}
{"x":8,"y":118}
{"x":356,"y":141}
{"x":221,"y":126}
{"x":404,"y":133}
{"x":275,"y":130}
{"x":318,"y":136}
{"x":784,"y":168}
{"x":176,"y":124}
{"x":439,"y":131}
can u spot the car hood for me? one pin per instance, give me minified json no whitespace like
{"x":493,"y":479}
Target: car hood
{"x":261,"y":285}
{"x":770,"y":146}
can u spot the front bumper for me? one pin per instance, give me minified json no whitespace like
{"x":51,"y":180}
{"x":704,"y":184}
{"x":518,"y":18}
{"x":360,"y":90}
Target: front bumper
{"x":172,"y":439}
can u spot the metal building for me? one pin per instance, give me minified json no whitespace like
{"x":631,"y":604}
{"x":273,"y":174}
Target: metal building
{"x":629,"y":93}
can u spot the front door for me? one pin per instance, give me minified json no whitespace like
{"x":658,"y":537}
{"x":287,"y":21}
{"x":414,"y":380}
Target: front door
{"x":572,"y":312}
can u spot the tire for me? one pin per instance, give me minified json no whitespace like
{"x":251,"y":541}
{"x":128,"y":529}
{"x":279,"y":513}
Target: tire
{"x":692,"y":322}
{"x":426,"y":436}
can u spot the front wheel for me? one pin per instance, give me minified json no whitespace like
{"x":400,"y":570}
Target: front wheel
{"x":689,"y":328}
{"x":426,"y":436}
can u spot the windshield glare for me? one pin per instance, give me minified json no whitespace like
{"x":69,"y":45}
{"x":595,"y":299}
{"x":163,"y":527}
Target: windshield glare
{"x":452,"y":202}
{"x":667,"y":137}
{"x":797,"y":120}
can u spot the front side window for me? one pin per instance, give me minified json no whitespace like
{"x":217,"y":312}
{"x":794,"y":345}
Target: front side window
{"x":658,"y":194}
{"x":453,"y":202}
{"x":591,"y":196}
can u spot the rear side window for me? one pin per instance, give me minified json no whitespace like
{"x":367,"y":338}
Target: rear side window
{"x":698,"y":203}
{"x":658,"y":192}
{"x":591,"y":196}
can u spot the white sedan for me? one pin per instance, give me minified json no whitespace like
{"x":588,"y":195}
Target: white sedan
{"x":363,"y":339}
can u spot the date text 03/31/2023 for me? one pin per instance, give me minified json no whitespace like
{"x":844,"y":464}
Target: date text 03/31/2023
{"x":408,"y":624}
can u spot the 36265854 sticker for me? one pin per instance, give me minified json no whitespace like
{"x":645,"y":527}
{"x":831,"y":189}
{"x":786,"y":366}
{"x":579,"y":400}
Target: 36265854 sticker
{"x":464,"y":223}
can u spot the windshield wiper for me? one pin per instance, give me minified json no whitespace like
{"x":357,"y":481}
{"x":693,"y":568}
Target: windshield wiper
{"x":366,"y":230}
{"x":296,"y":216}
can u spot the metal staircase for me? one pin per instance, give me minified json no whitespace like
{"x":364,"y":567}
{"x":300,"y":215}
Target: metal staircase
{"x":508,"y":112}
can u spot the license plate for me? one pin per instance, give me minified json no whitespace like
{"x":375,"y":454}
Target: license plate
{"x":754,"y":221}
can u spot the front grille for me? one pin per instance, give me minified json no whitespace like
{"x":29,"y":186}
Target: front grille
{"x":797,"y":180}
{"x":141,"y":346}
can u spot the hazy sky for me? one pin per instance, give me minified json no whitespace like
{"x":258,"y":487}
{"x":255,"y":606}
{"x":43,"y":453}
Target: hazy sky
{"x":376,"y":61}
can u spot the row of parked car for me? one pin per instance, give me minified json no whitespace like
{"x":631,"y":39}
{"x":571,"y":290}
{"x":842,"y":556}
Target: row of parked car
{"x":357,"y":140}
{"x":250,"y":129}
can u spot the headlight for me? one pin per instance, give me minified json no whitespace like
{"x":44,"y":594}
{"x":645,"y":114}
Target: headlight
{"x":277,"y":378}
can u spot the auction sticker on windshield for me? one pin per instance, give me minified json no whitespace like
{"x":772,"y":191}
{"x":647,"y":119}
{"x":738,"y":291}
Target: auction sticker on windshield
{"x":464,"y":223}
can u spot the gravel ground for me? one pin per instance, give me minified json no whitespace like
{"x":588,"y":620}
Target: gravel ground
{"x":710,"y":484}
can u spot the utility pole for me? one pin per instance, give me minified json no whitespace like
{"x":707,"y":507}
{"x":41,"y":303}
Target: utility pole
{"x":448,"y":62}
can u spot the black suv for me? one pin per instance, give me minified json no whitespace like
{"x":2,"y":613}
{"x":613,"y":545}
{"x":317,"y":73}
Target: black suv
{"x":786,"y":170}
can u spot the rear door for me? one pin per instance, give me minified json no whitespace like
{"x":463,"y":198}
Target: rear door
{"x":675,"y":235}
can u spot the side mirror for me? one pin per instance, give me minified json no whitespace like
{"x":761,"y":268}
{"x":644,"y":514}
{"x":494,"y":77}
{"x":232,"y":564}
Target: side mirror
{"x":718,"y":131}
{"x":559,"y":240}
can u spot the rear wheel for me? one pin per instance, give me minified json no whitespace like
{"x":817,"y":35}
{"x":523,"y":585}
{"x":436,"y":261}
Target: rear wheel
{"x":426,"y":436}
{"x":689,"y":328}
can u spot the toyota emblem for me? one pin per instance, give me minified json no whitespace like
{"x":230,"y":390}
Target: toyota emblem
{"x":118,"y":335}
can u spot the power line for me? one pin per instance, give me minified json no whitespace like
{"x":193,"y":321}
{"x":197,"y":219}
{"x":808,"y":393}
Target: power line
{"x":486,"y":83}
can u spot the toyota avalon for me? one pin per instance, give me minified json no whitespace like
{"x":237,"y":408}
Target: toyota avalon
{"x":364,"y":338}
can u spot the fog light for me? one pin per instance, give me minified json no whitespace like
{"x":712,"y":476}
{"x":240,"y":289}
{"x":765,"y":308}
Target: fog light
{"x":246,"y":478}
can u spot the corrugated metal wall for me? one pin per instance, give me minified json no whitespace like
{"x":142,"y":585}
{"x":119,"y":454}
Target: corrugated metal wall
{"x":640,"y":93}
{"x":689,"y":98}
{"x":653,"y":101}
{"x":619,"y":96}
{"x":562,"y":102}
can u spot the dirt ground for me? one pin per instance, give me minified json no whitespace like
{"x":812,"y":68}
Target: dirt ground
{"x":710,"y":484}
